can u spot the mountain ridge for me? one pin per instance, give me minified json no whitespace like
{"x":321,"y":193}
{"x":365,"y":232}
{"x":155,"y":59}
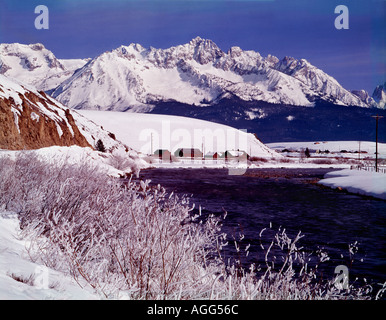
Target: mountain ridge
{"x":197,"y":73}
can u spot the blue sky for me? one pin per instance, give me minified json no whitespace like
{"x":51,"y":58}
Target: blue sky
{"x":300,"y":28}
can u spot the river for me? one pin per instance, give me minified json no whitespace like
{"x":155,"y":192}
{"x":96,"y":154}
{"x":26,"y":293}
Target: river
{"x":290,"y":199}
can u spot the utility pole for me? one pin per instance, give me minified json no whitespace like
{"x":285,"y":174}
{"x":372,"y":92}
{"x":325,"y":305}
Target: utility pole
{"x":203,"y":147}
{"x":151,"y":144}
{"x":377,"y":117}
{"x":203,"y":151}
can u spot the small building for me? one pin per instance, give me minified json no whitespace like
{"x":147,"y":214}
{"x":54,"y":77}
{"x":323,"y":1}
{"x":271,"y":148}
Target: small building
{"x":188,"y":153}
{"x":235,"y":154}
{"x":212,"y":156}
{"x":163,"y":154}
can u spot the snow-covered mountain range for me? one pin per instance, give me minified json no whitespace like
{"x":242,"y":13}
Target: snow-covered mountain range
{"x":198,"y":73}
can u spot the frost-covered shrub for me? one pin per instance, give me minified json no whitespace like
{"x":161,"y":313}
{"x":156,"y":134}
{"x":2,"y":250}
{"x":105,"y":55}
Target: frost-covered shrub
{"x":20,"y":180}
{"x":122,"y":160}
{"x":323,"y":161}
{"x":119,"y":238}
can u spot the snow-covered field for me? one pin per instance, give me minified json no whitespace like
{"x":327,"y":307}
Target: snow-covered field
{"x":346,"y":154}
{"x":356,"y":181}
{"x":366,"y":148}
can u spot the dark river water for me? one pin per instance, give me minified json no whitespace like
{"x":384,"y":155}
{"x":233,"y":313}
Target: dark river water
{"x":327,"y":218}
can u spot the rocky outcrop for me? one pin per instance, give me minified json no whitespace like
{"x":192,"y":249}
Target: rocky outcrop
{"x":31,"y":120}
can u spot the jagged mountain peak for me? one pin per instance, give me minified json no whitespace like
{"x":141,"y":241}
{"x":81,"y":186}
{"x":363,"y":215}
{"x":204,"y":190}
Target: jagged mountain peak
{"x":292,"y":66}
{"x":32,"y":56}
{"x":379,"y":95}
{"x":196,"y":40}
{"x":206,"y":51}
{"x":203,"y":43}
{"x":127,"y":51}
{"x":17,"y":47}
{"x":235,"y":51}
{"x":37,"y":46}
{"x":200,"y":50}
{"x":379,"y":89}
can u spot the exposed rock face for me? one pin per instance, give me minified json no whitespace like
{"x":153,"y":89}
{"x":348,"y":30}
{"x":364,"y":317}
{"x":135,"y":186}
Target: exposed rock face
{"x":32,"y":120}
{"x":379,"y":95}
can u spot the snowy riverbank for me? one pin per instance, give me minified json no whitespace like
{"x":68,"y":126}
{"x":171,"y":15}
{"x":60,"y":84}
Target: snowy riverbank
{"x":22,"y":279}
{"x":356,"y":181}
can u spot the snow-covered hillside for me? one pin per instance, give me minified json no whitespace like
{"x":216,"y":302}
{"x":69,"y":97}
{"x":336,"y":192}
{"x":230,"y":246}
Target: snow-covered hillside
{"x":196,"y":73}
{"x":31,"y":119}
{"x":149,"y":132}
{"x":35,"y":65}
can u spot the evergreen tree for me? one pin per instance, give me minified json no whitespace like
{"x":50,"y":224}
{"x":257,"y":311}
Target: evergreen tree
{"x":99,"y":146}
